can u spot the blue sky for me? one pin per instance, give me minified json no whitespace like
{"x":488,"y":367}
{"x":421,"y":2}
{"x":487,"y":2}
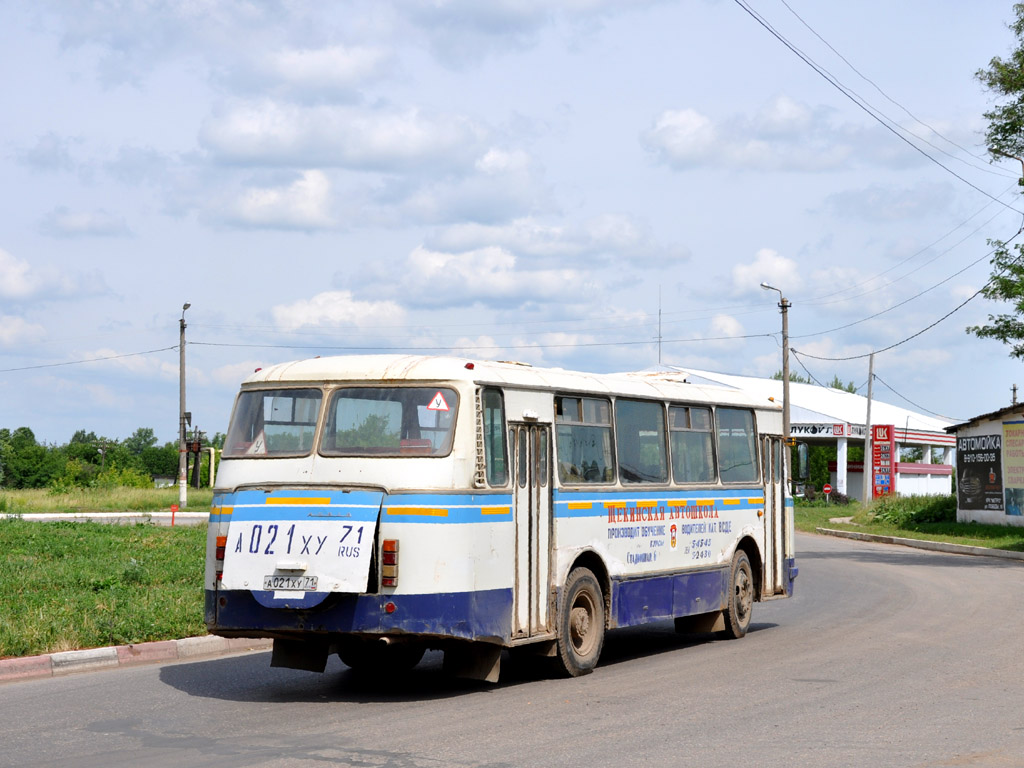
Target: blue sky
{"x":519,"y":179}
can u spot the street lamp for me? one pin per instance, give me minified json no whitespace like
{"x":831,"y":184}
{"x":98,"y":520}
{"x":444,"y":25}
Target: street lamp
{"x":784,"y":305}
{"x":182,"y":455}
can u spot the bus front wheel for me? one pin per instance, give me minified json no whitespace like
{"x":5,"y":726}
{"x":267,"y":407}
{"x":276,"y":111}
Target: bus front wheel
{"x":580,"y":623}
{"x":741,"y":596}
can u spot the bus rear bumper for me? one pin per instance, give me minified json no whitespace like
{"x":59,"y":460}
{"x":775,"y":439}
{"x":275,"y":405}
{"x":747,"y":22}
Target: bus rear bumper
{"x":484,"y":616}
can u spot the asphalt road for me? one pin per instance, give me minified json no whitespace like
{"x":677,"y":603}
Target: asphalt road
{"x":886,"y":657}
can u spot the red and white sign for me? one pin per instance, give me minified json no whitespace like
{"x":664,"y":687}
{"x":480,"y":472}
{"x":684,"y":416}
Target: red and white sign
{"x":839,"y":430}
{"x":883,"y":457}
{"x":826,"y":489}
{"x":438,"y":403}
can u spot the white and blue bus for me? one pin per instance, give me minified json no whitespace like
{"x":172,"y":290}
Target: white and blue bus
{"x":377,"y":506}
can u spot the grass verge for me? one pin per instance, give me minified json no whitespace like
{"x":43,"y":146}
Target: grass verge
{"x":810,"y":516}
{"x":42,"y":500}
{"x":66,"y":586}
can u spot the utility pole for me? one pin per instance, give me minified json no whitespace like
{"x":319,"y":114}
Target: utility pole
{"x":868,"y":464}
{"x":182,"y":416}
{"x":784,"y":305}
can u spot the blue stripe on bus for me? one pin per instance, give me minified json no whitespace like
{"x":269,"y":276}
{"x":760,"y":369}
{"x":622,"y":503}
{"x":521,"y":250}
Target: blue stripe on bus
{"x":485,"y":615}
{"x":638,"y":601}
{"x":363,"y":506}
{"x":596,"y":504}
{"x":296,"y":504}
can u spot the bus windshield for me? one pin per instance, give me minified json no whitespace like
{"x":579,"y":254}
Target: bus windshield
{"x":273,"y":422}
{"x":390,"y":421}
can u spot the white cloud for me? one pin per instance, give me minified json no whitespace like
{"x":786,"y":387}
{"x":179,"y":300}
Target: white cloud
{"x":15,"y":331}
{"x":63,"y":222}
{"x":303,"y":204}
{"x":682,"y":137}
{"x":336,"y":308}
{"x":726,"y":325}
{"x":267,"y":133}
{"x":783,"y":135}
{"x":234,"y":374}
{"x":17,"y":280}
{"x":962,"y":292}
{"x":770,"y":267}
{"x":498,"y":161}
{"x":336,"y":69}
{"x":605,"y":239}
{"x":491,"y":275}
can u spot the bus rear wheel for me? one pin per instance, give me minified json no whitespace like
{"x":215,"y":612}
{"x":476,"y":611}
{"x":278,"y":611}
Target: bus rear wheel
{"x":741,"y":596}
{"x":580,"y":623}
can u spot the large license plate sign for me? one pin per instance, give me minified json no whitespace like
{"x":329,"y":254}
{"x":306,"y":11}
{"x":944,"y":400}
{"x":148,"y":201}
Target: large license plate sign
{"x":298,"y":556}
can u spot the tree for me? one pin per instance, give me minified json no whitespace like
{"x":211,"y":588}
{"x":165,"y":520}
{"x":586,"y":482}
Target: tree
{"x":1005,"y":139}
{"x":26,"y":464}
{"x":836,"y":382}
{"x":141,"y":439}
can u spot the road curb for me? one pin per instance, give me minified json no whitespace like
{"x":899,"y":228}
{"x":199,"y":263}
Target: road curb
{"x":933,"y":546}
{"x":70,"y":662}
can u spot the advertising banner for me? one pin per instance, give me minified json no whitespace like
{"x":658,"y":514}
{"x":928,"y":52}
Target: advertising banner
{"x":979,"y":483}
{"x":883,"y":457}
{"x":1013,"y":466}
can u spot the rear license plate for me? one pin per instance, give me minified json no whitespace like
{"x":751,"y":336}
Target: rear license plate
{"x":290,"y":583}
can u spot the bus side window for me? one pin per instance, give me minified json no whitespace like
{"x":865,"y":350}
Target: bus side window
{"x":693,"y":459}
{"x":737,"y":445}
{"x":583,"y":440}
{"x":495,"y":449}
{"x":640,"y":441}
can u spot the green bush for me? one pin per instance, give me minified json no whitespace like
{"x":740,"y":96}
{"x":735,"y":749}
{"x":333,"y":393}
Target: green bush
{"x":905,"y":511}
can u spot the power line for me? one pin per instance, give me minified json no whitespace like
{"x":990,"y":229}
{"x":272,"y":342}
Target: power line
{"x":830,"y":298}
{"x":90,"y":360}
{"x":915,"y":118}
{"x":926,"y":328}
{"x":475,"y":347}
{"x":919,"y":407}
{"x":801,"y":362}
{"x":871,"y":111}
{"x":905,"y":301}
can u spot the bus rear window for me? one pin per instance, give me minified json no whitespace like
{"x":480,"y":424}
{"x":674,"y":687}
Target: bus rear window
{"x":273,"y":422}
{"x":390,"y":421}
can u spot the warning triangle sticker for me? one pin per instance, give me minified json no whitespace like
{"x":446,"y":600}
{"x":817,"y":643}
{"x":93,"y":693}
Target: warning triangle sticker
{"x":438,"y":403}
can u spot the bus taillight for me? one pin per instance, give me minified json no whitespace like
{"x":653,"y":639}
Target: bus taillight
{"x":389,"y":563}
{"x":222,"y":543}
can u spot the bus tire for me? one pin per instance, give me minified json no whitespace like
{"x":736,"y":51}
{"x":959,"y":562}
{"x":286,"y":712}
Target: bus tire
{"x":580,"y":623}
{"x":741,"y":597}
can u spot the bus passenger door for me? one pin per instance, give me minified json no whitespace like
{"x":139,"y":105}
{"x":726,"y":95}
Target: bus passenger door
{"x":531,"y":445}
{"x":774,"y":514}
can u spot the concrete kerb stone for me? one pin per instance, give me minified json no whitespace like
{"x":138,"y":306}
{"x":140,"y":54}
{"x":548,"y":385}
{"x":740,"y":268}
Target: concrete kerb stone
{"x":70,"y":662}
{"x":933,"y":546}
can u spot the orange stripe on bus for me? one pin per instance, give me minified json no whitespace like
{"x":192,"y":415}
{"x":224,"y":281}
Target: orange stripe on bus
{"x":581,"y":505}
{"x":221,"y":510}
{"x":731,"y":501}
{"x":426,"y":511}
{"x":299,"y":500}
{"x":495,"y":510}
